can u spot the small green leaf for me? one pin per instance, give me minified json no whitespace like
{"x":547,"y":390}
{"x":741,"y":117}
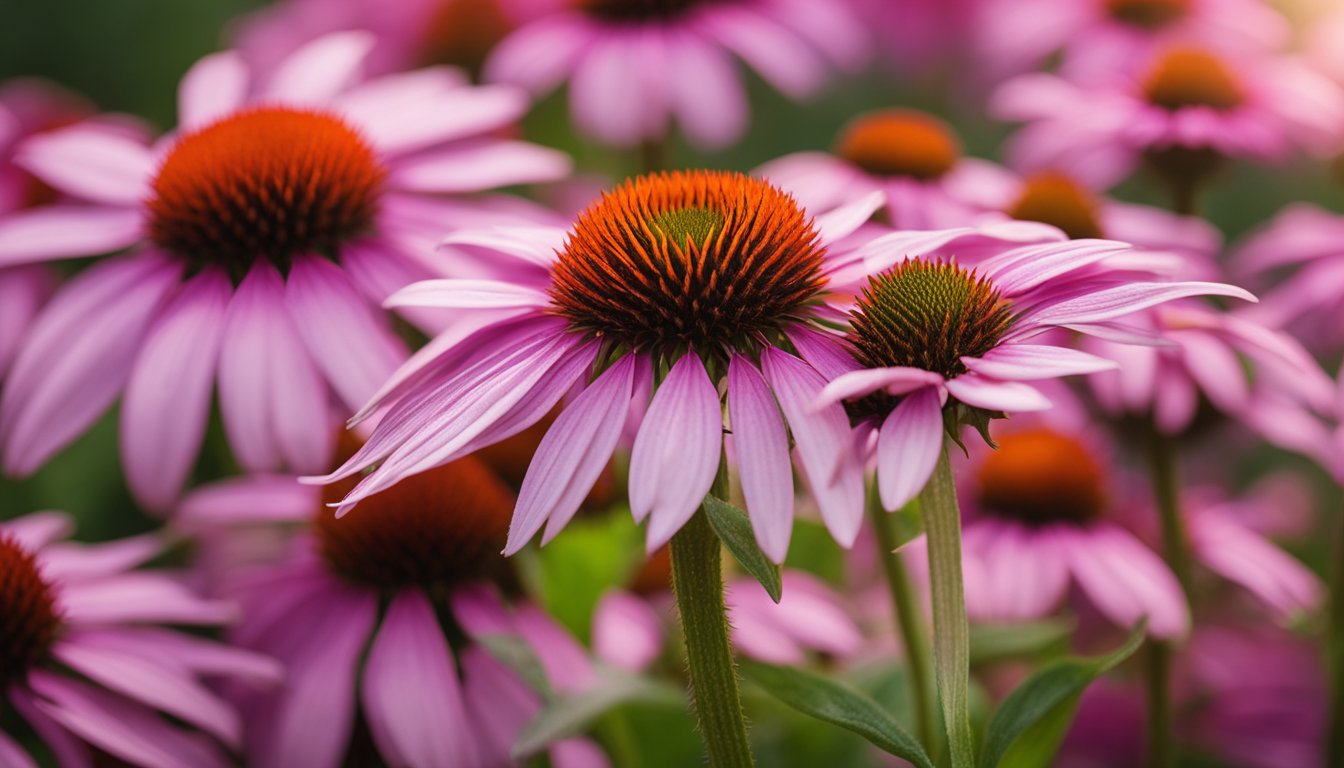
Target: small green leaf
{"x":995,"y":642}
{"x":839,"y":704}
{"x":569,"y":714}
{"x":907,"y":523}
{"x":1031,"y":722}
{"x":734,"y":529}
{"x":514,"y":652}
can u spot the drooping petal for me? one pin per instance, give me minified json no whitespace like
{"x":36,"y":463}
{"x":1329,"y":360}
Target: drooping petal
{"x":477,"y":167}
{"x":707,"y":94}
{"x":1127,"y":581}
{"x":467,"y":294}
{"x":90,"y":162}
{"x":843,"y":220}
{"x":1006,"y":396}
{"x":67,"y":231}
{"x":1243,"y":556}
{"x":1110,"y":303}
{"x":1028,"y":362}
{"x":908,"y":447}
{"x":1019,"y":270}
{"x":140,"y":597}
{"x":898,"y":380}
{"x":627,"y":631}
{"x":676,"y":454}
{"x":762,"y":448}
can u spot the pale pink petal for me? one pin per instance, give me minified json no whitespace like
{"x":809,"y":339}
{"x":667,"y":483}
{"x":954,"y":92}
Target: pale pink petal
{"x":167,"y":398}
{"x":213,"y":87}
{"x":762,"y":449}
{"x":255,"y":498}
{"x":577,"y":753}
{"x":1110,"y":303}
{"x":825,"y":352}
{"x":200,"y":655}
{"x":676,"y":454}
{"x":67,"y":748}
{"x":67,"y":231}
{"x":12,"y":755}
{"x":627,"y":631}
{"x":472,"y":168}
{"x":779,"y":55}
{"x":706,"y":94}
{"x":1006,"y":396}
{"x":71,"y":561}
{"x":321,"y":69}
{"x":140,"y":598}
{"x":36,"y":530}
{"x":410,"y":693}
{"x":1027,"y":362}
{"x":499,"y":704}
{"x":1217,"y":369}
{"x":1243,"y":556}
{"x":90,"y":162}
{"x":566,"y":661}
{"x":606,"y":95}
{"x":1021,"y":269}
{"x":1127,"y":581}
{"x":1174,"y":398}
{"x":540,"y":55}
{"x":23,"y":291}
{"x":844,"y":220}
{"x":892,"y":381}
{"x":467,"y":294}
{"x":908,"y":447}
{"x":533,"y":245}
{"x":385,"y":112}
{"x":572,"y":455}
{"x":1026,"y":573}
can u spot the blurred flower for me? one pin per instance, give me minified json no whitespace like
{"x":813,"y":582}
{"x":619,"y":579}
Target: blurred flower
{"x":414,"y":575}
{"x":1183,"y":113}
{"x":633,"y":65}
{"x":84,"y":663}
{"x":263,"y":235}
{"x":917,"y":36}
{"x":930,"y":334}
{"x":680,"y":273}
{"x":1314,"y":432}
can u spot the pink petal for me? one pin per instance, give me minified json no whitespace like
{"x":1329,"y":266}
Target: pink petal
{"x":779,"y":55}
{"x":67,"y":748}
{"x":676,"y":454}
{"x":1026,"y":573}
{"x":321,"y":69}
{"x":564,"y":659}
{"x":12,"y":755}
{"x":1127,"y":581}
{"x":213,"y":87}
{"x":572,"y":455}
{"x":70,"y":561}
{"x":1243,"y":556}
{"x":473,"y":168}
{"x":1019,"y":270}
{"x":255,"y":498}
{"x":411,"y":695}
{"x":1028,"y":362}
{"x":467,"y":294}
{"x":893,"y":381}
{"x":1216,"y":368}
{"x":383,"y":111}
{"x":167,"y":398}
{"x":141,"y":597}
{"x":844,"y":220}
{"x":825,"y":352}
{"x":908,"y":447}
{"x":36,"y":530}
{"x":1110,"y":303}
{"x":67,"y":231}
{"x":540,"y":55}
{"x":627,"y":631}
{"x":534,"y":245}
{"x":1006,"y":396}
{"x":706,"y":94}
{"x":762,"y":448}
{"x":499,"y":704}
{"x":90,"y":162}
{"x":607,"y":97}
{"x":201,"y":656}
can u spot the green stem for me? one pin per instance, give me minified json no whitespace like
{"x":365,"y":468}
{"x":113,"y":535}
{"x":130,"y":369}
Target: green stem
{"x":910,"y":626}
{"x":1163,"y":471}
{"x":951,"y":631}
{"x":697,"y":578}
{"x":1334,"y":726}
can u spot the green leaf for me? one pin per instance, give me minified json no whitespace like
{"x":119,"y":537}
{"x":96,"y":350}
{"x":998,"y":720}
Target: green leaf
{"x":839,"y":704}
{"x":1031,"y":722}
{"x":569,"y":714}
{"x":995,"y":642}
{"x":906,"y":523}
{"x":734,"y":529}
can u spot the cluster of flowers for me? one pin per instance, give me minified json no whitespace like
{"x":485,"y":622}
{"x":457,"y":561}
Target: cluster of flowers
{"x":358,"y":371}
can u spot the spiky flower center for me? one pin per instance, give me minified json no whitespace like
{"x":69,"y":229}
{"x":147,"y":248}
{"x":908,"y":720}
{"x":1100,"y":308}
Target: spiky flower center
{"x":29,"y":619}
{"x":1056,"y":199}
{"x":1147,"y":14}
{"x":1188,"y":77}
{"x":433,"y":530}
{"x":900,"y":142}
{"x":1039,"y":477}
{"x":639,"y":10}
{"x":698,"y":259}
{"x":267,"y":182}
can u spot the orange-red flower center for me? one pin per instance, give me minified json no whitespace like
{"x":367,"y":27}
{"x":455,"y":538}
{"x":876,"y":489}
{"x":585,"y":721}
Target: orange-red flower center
{"x":1188,"y":77}
{"x":900,"y":142}
{"x":29,"y":619}
{"x":266,"y":182}
{"x":435,"y":529}
{"x":1039,"y":476}
{"x":1055,"y":199}
{"x":1147,"y":14}
{"x":699,"y":259}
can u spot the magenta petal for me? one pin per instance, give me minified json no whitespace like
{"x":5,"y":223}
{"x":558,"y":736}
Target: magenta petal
{"x":893,"y":381}
{"x":627,"y":631}
{"x":1007,"y":396}
{"x":167,"y":399}
{"x":825,"y":352}
{"x":762,"y":448}
{"x":577,"y":753}
{"x":676,"y":454}
{"x":908,"y":447}
{"x":411,"y":694}
{"x":1127,"y":581}
{"x":321,"y":69}
{"x":66,"y":747}
{"x":499,"y":704}
{"x":255,"y":498}
{"x":1028,"y":362}
{"x":481,"y":166}
{"x":1243,"y":556}
{"x":67,"y":231}
{"x":200,"y":655}
{"x":572,"y":455}
{"x":213,"y":87}
{"x":140,"y":597}
{"x":90,"y":162}
{"x":566,"y":661}
{"x":1110,"y":303}
{"x":12,"y":755}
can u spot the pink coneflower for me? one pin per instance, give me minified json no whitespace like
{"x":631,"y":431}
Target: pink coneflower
{"x":1317,"y":433}
{"x":912,"y":157}
{"x":85,"y":664}
{"x":1099,"y":37}
{"x":931,"y":336}
{"x":262,"y":235}
{"x":634,"y":65}
{"x":356,"y":610}
{"x":1185,"y":110}
{"x":679,"y":275}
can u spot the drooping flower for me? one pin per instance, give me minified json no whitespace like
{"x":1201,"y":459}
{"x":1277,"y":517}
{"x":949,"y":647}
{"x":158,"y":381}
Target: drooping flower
{"x":414,"y":578}
{"x":1182,"y":113}
{"x":87,"y":663}
{"x":676,"y":274}
{"x":262,"y":235}
{"x":932,"y":338}
{"x":634,"y":65}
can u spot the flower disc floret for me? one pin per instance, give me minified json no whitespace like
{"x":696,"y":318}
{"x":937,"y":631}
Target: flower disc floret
{"x":1147,"y":14}
{"x":1188,"y":77}
{"x":29,"y":619}
{"x":900,"y":142}
{"x":699,"y":259}
{"x":1057,"y":200}
{"x":1039,"y":477}
{"x":436,"y":529}
{"x":265,"y":182}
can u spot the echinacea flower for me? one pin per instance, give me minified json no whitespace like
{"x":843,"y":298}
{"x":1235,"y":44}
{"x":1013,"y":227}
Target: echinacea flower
{"x":87,"y":663}
{"x":261,"y":234}
{"x":634,"y":65}
{"x":931,"y":337}
{"x":912,"y":157}
{"x":672,"y":276}
{"x":378,"y":613}
{"x":1183,"y":112}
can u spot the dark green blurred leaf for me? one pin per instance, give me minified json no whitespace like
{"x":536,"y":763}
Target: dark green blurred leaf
{"x":907,"y":523}
{"x":995,"y":642}
{"x":569,"y":714}
{"x":734,"y":529}
{"x":1030,"y":723}
{"x":839,"y":704}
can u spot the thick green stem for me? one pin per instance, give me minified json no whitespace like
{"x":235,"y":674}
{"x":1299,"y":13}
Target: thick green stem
{"x":1334,"y":726}
{"x":910,"y":626}
{"x":1162,"y":465}
{"x":697,"y":578}
{"x":951,"y":631}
